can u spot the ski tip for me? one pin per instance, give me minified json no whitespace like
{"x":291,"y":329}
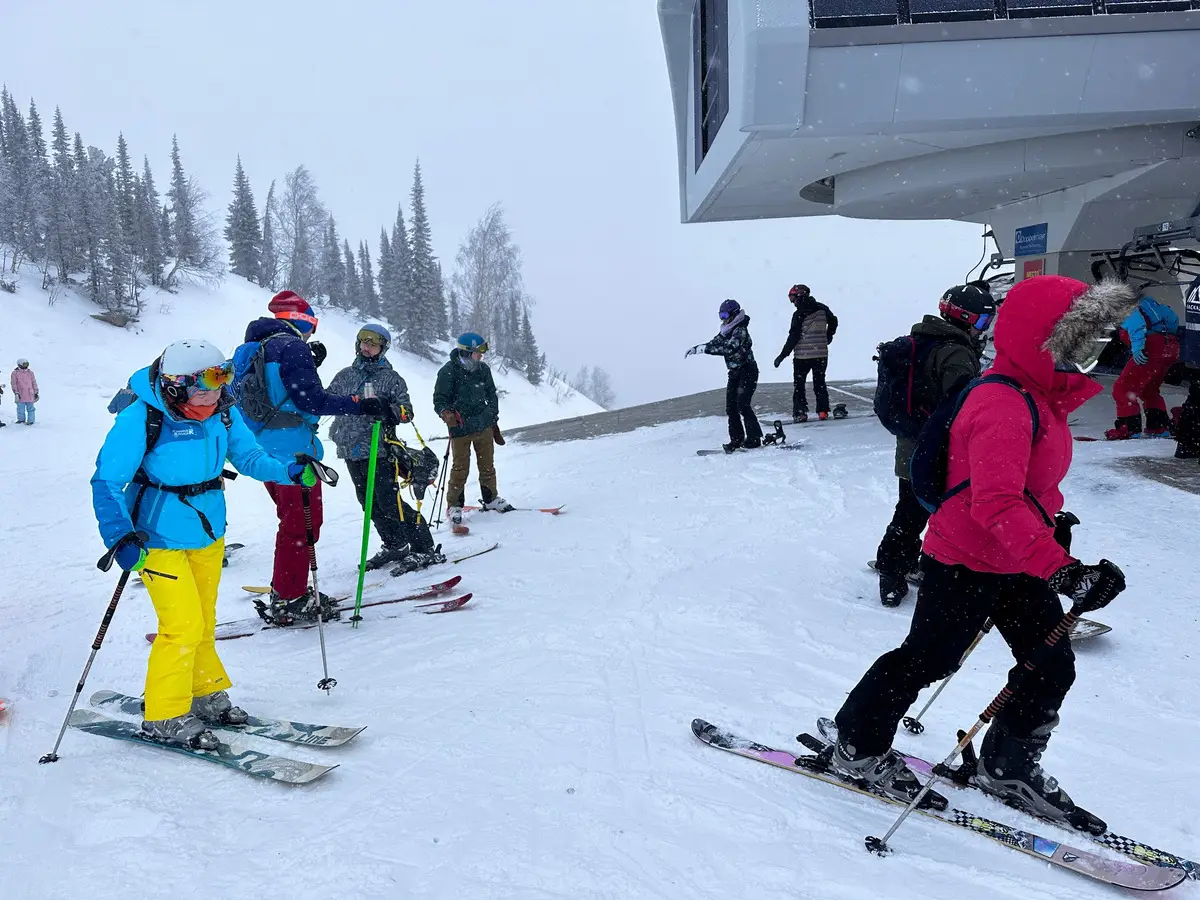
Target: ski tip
{"x":150,"y":636}
{"x":256,"y":588}
{"x":102,"y":696}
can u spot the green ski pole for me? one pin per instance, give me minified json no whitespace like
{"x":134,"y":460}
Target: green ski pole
{"x":362,"y":563}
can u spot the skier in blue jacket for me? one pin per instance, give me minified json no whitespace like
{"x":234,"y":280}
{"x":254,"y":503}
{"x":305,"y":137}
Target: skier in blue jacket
{"x":172,"y":492}
{"x":1151,"y":334}
{"x":283,"y":408}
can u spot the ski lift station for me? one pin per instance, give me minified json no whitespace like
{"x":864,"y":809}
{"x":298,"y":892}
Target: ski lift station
{"x":1071,"y":128}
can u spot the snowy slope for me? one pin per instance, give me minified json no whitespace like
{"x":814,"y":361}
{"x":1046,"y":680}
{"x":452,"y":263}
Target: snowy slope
{"x":536,"y":744}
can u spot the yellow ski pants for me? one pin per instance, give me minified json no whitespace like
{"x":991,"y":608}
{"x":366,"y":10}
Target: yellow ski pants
{"x":183,"y":658}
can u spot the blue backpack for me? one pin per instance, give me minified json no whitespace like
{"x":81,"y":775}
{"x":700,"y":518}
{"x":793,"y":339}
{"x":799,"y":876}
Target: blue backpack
{"x":931,"y":458}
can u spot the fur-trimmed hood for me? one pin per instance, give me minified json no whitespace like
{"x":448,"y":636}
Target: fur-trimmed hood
{"x":1049,"y":318}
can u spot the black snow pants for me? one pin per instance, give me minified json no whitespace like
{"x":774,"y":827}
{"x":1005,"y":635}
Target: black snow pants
{"x":952,"y":605}
{"x":1187,"y":432}
{"x":386,"y":506}
{"x":738,"y":393}
{"x":900,"y":550}
{"x":800,"y":370}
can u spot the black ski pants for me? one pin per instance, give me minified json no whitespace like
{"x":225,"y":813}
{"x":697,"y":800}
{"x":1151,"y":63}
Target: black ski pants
{"x":743,"y":381}
{"x":900,"y":550}
{"x":394,"y":519}
{"x":1187,"y":433}
{"x":952,"y":606}
{"x":800,"y":370}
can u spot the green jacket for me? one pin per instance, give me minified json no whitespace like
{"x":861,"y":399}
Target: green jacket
{"x":470,"y":394}
{"x":951,"y":362}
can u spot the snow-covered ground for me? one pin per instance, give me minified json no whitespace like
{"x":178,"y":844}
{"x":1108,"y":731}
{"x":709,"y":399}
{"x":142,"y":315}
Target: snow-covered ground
{"x":536,"y":744}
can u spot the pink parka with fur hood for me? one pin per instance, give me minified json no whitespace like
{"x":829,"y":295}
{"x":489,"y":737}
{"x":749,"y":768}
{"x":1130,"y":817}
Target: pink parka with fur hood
{"x":993,"y":525}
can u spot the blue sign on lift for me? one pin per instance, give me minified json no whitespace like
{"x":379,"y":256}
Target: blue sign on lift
{"x":1031,"y":240}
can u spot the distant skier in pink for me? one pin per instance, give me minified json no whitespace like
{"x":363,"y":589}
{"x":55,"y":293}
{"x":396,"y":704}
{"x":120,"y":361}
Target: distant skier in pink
{"x":25,"y":391}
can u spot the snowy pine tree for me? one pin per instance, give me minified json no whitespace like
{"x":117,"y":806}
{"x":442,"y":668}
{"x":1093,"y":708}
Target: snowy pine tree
{"x":197,"y":250}
{"x":17,"y":229}
{"x":59,"y":226}
{"x":487,"y":271}
{"x":353,"y":286}
{"x":430,"y":321}
{"x":184,"y":242}
{"x":367,"y":280}
{"x":455,"y":318}
{"x":87,"y":218}
{"x":332,"y":282}
{"x":124,"y":192}
{"x":242,"y":229}
{"x":268,"y":268}
{"x":39,"y":185}
{"x":531,"y":358}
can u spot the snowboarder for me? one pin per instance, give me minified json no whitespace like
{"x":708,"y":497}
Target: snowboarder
{"x":808,"y":340}
{"x":172,"y":492}
{"x":733,"y":342}
{"x":948,"y":349}
{"x":464,"y":397}
{"x":279,"y":394}
{"x":25,"y":391}
{"x":1150,"y":332}
{"x":1187,"y":428}
{"x":991,"y":551}
{"x":406,"y":537}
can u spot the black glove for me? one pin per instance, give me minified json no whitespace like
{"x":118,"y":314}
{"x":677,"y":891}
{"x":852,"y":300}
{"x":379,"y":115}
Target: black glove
{"x":1063,"y":522}
{"x":318,"y":351}
{"x":1089,"y":587}
{"x":778,"y":360}
{"x":373,"y":407}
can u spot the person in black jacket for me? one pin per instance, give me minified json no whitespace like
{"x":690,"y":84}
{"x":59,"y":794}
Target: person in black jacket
{"x":812,"y":331}
{"x":733,"y":342}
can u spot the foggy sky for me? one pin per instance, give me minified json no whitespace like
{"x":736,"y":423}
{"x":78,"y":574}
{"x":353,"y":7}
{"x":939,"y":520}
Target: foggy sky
{"x":559,"y":110}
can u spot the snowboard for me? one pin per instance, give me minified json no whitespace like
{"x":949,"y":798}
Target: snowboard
{"x":275,"y":729}
{"x":791,"y":445}
{"x":231,"y":754}
{"x":1131,"y":875}
{"x":961,"y":777}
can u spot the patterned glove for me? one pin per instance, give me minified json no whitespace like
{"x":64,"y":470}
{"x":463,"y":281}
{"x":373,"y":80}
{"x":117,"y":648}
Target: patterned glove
{"x":1089,"y":587}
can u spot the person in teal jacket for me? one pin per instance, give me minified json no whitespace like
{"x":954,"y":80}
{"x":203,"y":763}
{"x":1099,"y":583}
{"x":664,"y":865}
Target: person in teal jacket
{"x":159,"y":500}
{"x":1151,"y":334}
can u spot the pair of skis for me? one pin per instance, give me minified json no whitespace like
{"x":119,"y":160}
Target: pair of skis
{"x":228,"y":631}
{"x":1147,"y":869}
{"x":229,"y":753}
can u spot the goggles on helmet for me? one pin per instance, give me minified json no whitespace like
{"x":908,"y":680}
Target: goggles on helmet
{"x":370,"y":337}
{"x":211,"y":379}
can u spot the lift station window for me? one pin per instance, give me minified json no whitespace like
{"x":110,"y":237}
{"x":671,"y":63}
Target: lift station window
{"x":710,"y":46}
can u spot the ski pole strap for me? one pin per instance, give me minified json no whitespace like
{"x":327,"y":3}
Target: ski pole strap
{"x":105,"y":562}
{"x":324,"y":472}
{"x":420,"y":439}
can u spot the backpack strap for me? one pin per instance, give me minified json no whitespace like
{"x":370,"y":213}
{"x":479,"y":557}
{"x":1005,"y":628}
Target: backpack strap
{"x":997,"y":378}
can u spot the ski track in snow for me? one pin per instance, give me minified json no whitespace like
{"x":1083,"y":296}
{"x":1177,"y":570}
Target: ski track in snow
{"x":535,"y":744}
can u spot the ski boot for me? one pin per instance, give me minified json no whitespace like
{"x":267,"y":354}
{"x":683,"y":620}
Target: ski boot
{"x":892,"y":589}
{"x":185,"y":731}
{"x":752,"y":443}
{"x":385,"y":556}
{"x":216,"y":709}
{"x":1124,"y":428}
{"x":839,"y":411}
{"x":497,"y":504}
{"x":1158,"y":423}
{"x":455,"y":515}
{"x":800,"y":418}
{"x":732,"y":446}
{"x":823,"y":415}
{"x":414,"y":562}
{"x":1008,"y":769}
{"x":283,"y":612}
{"x":887,"y":773}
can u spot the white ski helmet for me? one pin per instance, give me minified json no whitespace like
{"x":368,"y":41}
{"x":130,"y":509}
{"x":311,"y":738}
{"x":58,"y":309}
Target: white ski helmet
{"x":22,"y":363}
{"x":188,"y":356}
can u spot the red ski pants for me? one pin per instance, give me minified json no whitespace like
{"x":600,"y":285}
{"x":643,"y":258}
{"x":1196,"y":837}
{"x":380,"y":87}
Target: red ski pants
{"x":290,"y":578}
{"x":1141,"y":382}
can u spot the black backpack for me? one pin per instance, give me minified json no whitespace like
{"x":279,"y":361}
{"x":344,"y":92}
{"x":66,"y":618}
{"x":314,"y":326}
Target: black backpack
{"x":930,"y":460}
{"x":901,"y":399}
{"x":250,"y":390}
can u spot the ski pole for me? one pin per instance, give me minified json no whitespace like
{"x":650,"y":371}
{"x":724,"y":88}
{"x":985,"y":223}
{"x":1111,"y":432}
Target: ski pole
{"x":440,"y":491}
{"x":913,"y":723}
{"x":103,"y":564}
{"x":368,"y":391}
{"x":1063,"y":628}
{"x":330,"y":477}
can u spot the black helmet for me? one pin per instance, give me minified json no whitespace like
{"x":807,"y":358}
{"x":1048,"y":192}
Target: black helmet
{"x":968,"y":306}
{"x":799,"y":292}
